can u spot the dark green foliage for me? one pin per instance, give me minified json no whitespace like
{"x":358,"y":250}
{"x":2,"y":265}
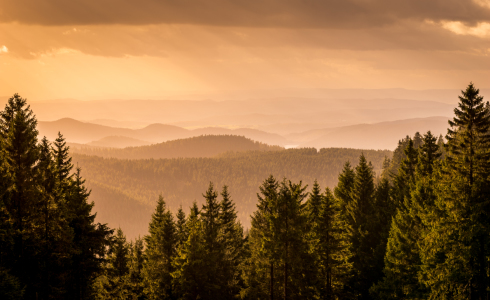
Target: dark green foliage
{"x":50,"y":246}
{"x":361,"y":220}
{"x":89,"y":240}
{"x":181,"y":227}
{"x":132,"y":192}
{"x":231,"y":238}
{"x":332,"y":249}
{"x":456,"y":252}
{"x":160,"y":253}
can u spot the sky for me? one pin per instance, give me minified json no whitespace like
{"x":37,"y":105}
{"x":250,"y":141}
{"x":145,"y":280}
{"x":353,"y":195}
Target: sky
{"x":154,"y":49}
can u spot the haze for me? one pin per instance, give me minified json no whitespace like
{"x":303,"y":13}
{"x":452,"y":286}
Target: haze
{"x":151,"y":49}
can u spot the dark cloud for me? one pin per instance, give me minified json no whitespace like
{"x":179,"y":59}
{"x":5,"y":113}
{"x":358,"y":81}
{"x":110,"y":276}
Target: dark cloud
{"x":248,"y":13}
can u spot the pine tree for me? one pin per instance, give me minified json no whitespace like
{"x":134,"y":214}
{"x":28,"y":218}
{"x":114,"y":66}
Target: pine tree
{"x":89,"y":241}
{"x":231,"y":239}
{"x":115,"y":283}
{"x":405,"y":177}
{"x":62,"y":160}
{"x":181,"y":228}
{"x":455,"y":259}
{"x":160,"y":252}
{"x":261,"y":265}
{"x":362,"y":223}
{"x":136,"y":261}
{"x":344,"y":188}
{"x":210,"y":217}
{"x":333,"y":251}
{"x":190,"y":276}
{"x":20,"y":162}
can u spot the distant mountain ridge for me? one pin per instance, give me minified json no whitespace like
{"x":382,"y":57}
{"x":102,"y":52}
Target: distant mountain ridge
{"x":80,"y":132}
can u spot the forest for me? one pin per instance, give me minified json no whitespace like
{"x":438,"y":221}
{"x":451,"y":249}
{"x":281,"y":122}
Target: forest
{"x":125,"y":191}
{"x":416,"y":229}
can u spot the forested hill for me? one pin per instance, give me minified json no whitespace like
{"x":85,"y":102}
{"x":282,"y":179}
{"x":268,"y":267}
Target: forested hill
{"x":125,"y":191}
{"x":201,"y":146}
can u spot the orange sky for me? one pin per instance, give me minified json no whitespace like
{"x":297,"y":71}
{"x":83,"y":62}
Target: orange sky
{"x":96,"y":49}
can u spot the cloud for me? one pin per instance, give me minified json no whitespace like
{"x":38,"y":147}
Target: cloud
{"x":243,"y":13}
{"x":481,"y":30}
{"x":4,"y":49}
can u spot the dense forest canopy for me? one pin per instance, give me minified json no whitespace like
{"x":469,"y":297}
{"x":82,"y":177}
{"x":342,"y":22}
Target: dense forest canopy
{"x":416,"y":229}
{"x":125,"y":191}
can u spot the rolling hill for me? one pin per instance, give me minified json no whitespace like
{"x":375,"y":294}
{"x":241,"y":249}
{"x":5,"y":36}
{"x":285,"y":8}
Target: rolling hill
{"x":201,"y":146}
{"x":125,"y":191}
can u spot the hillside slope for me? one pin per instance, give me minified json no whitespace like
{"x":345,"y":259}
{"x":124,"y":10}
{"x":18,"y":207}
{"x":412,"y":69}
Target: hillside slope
{"x":202,"y":146}
{"x":134,"y":185}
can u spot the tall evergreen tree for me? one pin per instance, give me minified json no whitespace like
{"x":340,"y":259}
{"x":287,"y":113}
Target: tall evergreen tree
{"x":181,"y":227}
{"x":160,"y":252}
{"x":455,"y":260}
{"x":115,"y":283}
{"x":190,"y":276}
{"x":231,"y":239}
{"x":21,"y":154}
{"x":89,"y":241}
{"x":344,"y":188}
{"x":136,"y":262}
{"x":333,"y":251}
{"x":361,"y":223}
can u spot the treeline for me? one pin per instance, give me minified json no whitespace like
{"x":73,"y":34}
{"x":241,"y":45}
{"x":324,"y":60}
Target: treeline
{"x":50,"y":245}
{"x":123,"y":189}
{"x":201,"y":146}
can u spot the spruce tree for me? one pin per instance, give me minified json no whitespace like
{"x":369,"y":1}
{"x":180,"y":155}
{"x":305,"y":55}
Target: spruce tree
{"x":181,"y":227}
{"x":115,"y":283}
{"x":20,"y":154}
{"x":231,"y":239}
{"x":136,"y":261}
{"x":190,"y":276}
{"x":210,"y":217}
{"x":333,"y":252}
{"x":89,"y":241}
{"x":160,"y":252}
{"x":260,"y":267}
{"x":344,"y":188}
{"x":361,"y":222}
{"x":455,"y":260}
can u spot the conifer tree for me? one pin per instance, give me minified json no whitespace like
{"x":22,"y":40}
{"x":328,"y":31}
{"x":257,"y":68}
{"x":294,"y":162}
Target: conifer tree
{"x":231,"y":239}
{"x":20,"y":157}
{"x":136,"y":261}
{"x":160,"y":252}
{"x":115,"y":283}
{"x":89,"y":241}
{"x":261,"y":265}
{"x":363,"y":238}
{"x":333,"y":252}
{"x":344,"y":188}
{"x":190,"y":276}
{"x":455,"y":255}
{"x":405,"y":177}
{"x":181,"y":228}
{"x":210,"y":217}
